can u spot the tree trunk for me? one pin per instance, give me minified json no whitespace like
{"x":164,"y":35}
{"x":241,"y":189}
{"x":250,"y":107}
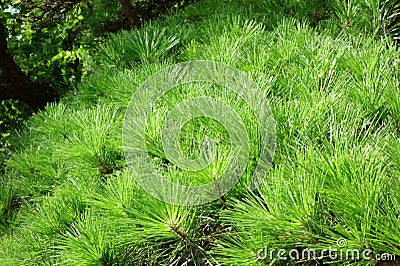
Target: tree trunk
{"x":130,"y":12}
{"x":14,"y":84}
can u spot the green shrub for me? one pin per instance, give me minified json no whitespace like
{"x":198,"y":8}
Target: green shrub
{"x":69,"y":198}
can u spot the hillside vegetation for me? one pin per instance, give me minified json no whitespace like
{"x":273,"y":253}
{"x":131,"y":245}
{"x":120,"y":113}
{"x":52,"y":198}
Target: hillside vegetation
{"x":330,"y":74}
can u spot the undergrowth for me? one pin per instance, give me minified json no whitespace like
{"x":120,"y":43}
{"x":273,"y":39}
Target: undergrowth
{"x":330,"y":72}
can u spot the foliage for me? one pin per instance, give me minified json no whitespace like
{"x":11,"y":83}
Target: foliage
{"x":52,"y":40}
{"x":391,"y":13}
{"x":13,"y":114}
{"x":68,"y":197}
{"x":50,"y":48}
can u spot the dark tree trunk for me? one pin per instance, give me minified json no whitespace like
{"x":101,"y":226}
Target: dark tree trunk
{"x":129,"y":10}
{"x":14,"y":84}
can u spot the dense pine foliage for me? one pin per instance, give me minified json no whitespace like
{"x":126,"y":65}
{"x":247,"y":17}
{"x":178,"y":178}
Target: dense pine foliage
{"x":330,"y":73}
